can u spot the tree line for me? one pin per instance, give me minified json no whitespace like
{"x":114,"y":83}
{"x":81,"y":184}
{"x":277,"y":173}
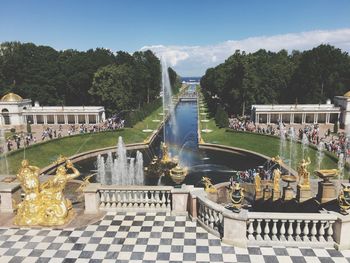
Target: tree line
{"x":119,"y":81}
{"x":265,"y":77}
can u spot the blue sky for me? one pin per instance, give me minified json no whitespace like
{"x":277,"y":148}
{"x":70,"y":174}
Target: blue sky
{"x":170,"y":25}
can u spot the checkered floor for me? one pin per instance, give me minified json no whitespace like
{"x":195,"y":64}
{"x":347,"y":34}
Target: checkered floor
{"x":145,"y":238}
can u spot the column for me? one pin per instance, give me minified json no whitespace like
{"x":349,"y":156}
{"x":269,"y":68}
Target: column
{"x":303,"y":118}
{"x":86,"y":118}
{"x":35,"y":120}
{"x":328,"y":115}
{"x":103,"y":116}
{"x":315,"y":117}
{"x":280,"y":117}
{"x":45,"y":119}
{"x":268,"y":118}
{"x":55,"y":119}
{"x":24,"y":119}
{"x":97,"y":118}
{"x":65,"y":119}
{"x":257,"y":118}
{"x":291,"y":118}
{"x":76,"y":121}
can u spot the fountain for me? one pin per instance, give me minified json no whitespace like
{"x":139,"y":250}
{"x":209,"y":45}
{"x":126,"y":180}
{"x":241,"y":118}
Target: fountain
{"x":320,"y":154}
{"x":283,"y":141}
{"x":305,"y":144}
{"x":122,"y":170}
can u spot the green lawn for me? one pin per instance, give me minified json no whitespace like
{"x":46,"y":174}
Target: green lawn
{"x":267,"y":145}
{"x":42,"y":154}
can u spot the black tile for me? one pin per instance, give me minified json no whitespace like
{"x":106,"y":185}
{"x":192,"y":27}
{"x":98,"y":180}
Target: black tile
{"x":128,"y":248}
{"x":334,"y":253}
{"x":137,"y":223}
{"x":178,"y":249}
{"x":152,"y":248}
{"x":54,"y":246}
{"x":137,"y":256}
{"x":87,"y":233}
{"x":102,"y":228}
{"x":118,"y":241}
{"x":61,"y":254}
{"x":102,"y":247}
{"x":142,"y":241}
{"x":78,"y":246}
{"x":189,"y":257}
{"x":297,"y":259}
{"x":158,"y":223}
{"x":281,"y":251}
{"x":86,"y":254}
{"x":201,"y":235}
{"x":111,"y":255}
{"x":216,"y":257}
{"x":146,"y":229}
{"x":228,"y":250}
{"x":31,"y":245}
{"x":178,"y":235}
{"x":110,"y":234}
{"x":155,"y":234}
{"x":190,"y":242}
{"x":132,"y":234}
{"x":168,"y":229}
{"x":163,"y":256}
{"x":36,"y":253}
{"x":214,"y":242}
{"x":254,"y":251}
{"x":270,"y":259}
{"x":95,"y":240}
{"x":116,"y":223}
{"x":202,"y":249}
{"x":72,"y":239}
{"x":65,"y":233}
{"x":326,"y":260}
{"x":165,"y":241}
{"x":124,"y":228}
{"x":16,"y":260}
{"x":12,"y":252}
{"x":242,"y":258}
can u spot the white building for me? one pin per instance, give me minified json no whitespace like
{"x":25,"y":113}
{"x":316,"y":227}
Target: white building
{"x":305,"y":113}
{"x":14,"y":111}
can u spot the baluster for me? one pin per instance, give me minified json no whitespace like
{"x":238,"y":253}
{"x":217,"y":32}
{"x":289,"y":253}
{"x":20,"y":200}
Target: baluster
{"x":267,"y":229}
{"x":169,"y":202}
{"x":251,"y":230}
{"x":290,"y":230}
{"x":206,"y":214}
{"x":298,"y":231}
{"x":141,"y":199}
{"x":200,"y":211}
{"x":306,"y":231}
{"x":130,"y":199}
{"x":113,"y":199}
{"x":102,"y":198}
{"x":322,"y":231}
{"x":161,"y":199}
{"x":258,"y":230}
{"x":125,"y":198}
{"x":157,"y":197}
{"x":330,"y":231}
{"x":211,"y":218}
{"x":216,"y":220}
{"x":146,"y":199}
{"x":108,"y":199}
{"x":274,"y":230}
{"x":313,"y":230}
{"x":152,"y":199}
{"x":283,"y":230}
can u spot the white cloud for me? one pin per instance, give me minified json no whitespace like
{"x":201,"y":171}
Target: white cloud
{"x":194,"y":60}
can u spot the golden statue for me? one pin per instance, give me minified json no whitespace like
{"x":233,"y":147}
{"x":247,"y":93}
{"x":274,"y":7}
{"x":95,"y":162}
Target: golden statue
{"x":344,"y":199}
{"x":165,"y":158}
{"x":57,"y":209}
{"x":44,"y":204}
{"x":208,"y":186}
{"x":304,"y":174}
{"x":277,"y":159}
{"x":276,"y":180}
{"x":257,"y":183}
{"x":236,"y":196}
{"x":28,"y":209}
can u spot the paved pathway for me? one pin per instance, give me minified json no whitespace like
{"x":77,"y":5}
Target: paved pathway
{"x":140,"y":237}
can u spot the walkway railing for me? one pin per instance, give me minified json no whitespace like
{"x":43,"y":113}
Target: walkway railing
{"x":290,"y":228}
{"x":135,"y":198}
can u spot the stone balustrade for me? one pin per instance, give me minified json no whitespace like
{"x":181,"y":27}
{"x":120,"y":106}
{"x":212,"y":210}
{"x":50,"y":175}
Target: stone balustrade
{"x":210,"y":217}
{"x":316,"y":229}
{"x":135,"y":198}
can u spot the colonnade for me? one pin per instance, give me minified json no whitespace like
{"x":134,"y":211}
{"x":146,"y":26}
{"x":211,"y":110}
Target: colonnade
{"x":296,"y":117}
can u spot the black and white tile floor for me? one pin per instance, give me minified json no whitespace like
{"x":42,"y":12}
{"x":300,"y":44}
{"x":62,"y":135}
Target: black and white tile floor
{"x":150,"y":237}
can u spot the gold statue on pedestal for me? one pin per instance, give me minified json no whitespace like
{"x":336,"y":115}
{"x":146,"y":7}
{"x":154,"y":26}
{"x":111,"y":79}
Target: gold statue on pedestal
{"x":208,"y":186}
{"x":304,"y":174}
{"x":257,"y":183}
{"x":44,"y":204}
{"x":28,"y":209}
{"x":276,"y":180}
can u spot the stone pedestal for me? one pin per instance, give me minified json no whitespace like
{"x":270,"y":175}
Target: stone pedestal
{"x":303,"y":193}
{"x":276,"y":195}
{"x":180,"y":198}
{"x":326,"y":192}
{"x":288,"y":193}
{"x":92,"y":198}
{"x":10,"y":196}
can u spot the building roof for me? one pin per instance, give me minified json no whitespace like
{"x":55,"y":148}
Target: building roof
{"x":11,"y":97}
{"x":347,"y":94}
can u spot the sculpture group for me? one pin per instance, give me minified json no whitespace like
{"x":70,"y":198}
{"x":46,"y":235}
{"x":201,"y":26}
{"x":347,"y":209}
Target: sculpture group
{"x":44,"y":203}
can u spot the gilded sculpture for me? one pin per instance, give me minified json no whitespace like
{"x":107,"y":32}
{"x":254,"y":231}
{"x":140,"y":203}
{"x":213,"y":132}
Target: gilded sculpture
{"x":208,"y":186}
{"x":257,"y":183}
{"x":304,"y":175}
{"x":276,"y":180}
{"x":45,"y":204}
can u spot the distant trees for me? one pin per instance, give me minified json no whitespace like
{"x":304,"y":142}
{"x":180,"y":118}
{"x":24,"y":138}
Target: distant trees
{"x":269,"y":77}
{"x":95,"y":77}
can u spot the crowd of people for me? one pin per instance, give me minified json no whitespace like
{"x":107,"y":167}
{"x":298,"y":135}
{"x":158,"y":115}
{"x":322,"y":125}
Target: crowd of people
{"x":18,"y":140}
{"x":308,"y":134}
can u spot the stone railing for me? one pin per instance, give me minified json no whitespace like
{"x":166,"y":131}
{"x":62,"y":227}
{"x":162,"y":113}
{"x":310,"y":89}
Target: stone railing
{"x":316,"y":229}
{"x":136,"y":198}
